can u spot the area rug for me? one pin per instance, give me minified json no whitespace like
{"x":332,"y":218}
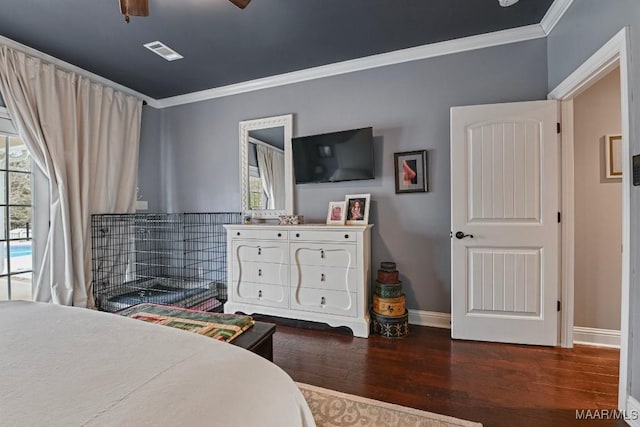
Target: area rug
{"x":334,"y":409}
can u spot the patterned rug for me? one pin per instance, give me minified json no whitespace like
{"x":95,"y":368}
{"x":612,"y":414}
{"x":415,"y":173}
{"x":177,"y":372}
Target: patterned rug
{"x":334,"y":409}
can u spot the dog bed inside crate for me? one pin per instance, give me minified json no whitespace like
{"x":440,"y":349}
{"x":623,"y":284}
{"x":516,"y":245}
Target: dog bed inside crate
{"x":165,"y":291}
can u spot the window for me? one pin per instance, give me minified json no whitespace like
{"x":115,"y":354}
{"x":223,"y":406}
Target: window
{"x":257,"y":198}
{"x":16,"y":262}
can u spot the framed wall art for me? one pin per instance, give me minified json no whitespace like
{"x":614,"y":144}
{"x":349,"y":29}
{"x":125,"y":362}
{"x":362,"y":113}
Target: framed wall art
{"x":411,"y":171}
{"x":613,"y":156}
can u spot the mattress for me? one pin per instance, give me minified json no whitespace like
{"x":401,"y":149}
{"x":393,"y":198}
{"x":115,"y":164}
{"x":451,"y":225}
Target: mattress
{"x":66,"y":366}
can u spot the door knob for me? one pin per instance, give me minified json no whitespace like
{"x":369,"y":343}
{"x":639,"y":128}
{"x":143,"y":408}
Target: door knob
{"x":461,"y":235}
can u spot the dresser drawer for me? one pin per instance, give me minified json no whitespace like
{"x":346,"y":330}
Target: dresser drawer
{"x":345,"y":236}
{"x":255,"y":233}
{"x":324,"y":301}
{"x":260,"y":251}
{"x":261,"y":294}
{"x":261,"y":272}
{"x":320,"y":277}
{"x":330,"y":255}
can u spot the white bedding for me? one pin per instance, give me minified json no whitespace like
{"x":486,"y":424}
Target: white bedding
{"x":72,"y":366}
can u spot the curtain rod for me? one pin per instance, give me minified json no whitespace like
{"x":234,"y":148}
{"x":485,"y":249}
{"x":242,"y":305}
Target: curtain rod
{"x":12,"y":44}
{"x":259,"y":142}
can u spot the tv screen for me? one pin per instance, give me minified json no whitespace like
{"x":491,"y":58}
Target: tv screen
{"x":333,"y":157}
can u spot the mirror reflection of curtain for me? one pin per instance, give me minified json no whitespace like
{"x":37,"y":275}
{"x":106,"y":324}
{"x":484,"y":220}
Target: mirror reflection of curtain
{"x":271,"y":166}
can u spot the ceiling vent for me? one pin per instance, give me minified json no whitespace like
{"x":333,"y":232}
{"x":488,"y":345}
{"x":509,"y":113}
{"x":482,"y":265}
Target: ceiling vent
{"x":163,"y":50}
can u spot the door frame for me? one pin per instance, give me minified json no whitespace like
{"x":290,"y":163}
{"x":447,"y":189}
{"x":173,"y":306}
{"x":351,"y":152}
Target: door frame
{"x":612,"y":54}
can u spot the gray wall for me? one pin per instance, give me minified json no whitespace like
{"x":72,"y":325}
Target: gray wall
{"x":408,"y":107}
{"x":598,"y":208}
{"x":150,"y":158}
{"x":586,"y":26}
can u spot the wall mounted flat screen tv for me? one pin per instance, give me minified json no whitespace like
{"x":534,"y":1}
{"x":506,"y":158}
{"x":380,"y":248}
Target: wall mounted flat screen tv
{"x":333,"y":157}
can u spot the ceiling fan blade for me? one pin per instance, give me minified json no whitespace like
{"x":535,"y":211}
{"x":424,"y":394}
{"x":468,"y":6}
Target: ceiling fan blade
{"x":240,"y":3}
{"x":134,"y":7}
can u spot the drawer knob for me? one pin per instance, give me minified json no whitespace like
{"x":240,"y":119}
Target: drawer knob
{"x":322,"y":301}
{"x":346,"y":236}
{"x":297,"y":234}
{"x":322,"y":277}
{"x":259,"y":250}
{"x":260,"y":293}
{"x":322,"y":253}
{"x":260,"y":272}
{"x":279,"y":234}
{"x":238,"y":233}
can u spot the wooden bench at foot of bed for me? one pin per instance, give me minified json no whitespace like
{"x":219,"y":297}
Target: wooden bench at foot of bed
{"x":258,"y":339}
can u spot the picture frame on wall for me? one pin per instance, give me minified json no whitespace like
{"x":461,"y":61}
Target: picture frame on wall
{"x":411,"y":171}
{"x":357,"y":208}
{"x":337,"y":213}
{"x":613,"y":156}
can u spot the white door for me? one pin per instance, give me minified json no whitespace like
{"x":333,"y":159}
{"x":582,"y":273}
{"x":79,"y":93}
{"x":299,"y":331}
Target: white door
{"x":504,"y":218}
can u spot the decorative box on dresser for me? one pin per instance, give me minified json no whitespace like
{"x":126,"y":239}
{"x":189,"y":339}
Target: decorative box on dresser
{"x":319,"y":273}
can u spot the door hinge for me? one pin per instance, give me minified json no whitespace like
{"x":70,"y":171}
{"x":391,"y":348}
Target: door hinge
{"x":559,"y":305}
{"x":559,"y":127}
{"x":559,"y":216}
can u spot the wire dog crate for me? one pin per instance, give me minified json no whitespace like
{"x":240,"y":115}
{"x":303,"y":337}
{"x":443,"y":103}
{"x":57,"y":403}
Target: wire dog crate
{"x":170,"y":259}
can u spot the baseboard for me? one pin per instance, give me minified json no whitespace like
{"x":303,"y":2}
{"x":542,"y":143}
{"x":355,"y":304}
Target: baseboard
{"x":430,"y":318}
{"x":596,"y":337}
{"x":633,"y":412}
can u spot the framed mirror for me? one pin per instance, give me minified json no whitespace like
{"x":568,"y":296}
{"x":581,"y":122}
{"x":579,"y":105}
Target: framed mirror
{"x":266,"y":167}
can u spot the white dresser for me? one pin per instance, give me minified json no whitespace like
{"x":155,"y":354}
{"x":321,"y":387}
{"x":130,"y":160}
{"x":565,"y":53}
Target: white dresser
{"x":312,"y":272}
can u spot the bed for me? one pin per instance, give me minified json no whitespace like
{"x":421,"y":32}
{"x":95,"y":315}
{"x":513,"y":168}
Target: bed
{"x":72,"y":366}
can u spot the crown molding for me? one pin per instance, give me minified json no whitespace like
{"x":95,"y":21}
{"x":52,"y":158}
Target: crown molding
{"x":554,"y":14}
{"x":72,"y":68}
{"x":481,"y":41}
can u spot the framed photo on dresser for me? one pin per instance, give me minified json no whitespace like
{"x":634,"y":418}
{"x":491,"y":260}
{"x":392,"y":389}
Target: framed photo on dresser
{"x":336,"y":213}
{"x":357,"y":208}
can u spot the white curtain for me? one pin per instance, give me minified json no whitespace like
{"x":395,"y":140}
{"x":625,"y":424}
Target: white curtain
{"x":84,"y":136}
{"x":271,"y":166}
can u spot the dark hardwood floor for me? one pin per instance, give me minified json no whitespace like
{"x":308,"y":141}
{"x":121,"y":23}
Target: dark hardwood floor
{"x":495,"y":384}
